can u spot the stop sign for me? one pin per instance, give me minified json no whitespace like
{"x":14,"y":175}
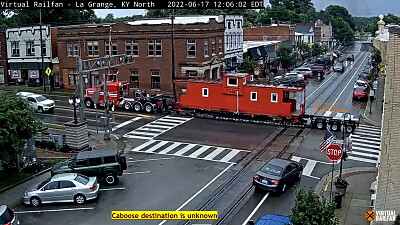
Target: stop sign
{"x":334,"y":152}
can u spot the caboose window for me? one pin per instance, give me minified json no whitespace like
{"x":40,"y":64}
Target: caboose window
{"x":244,"y":80}
{"x":251,"y":78}
{"x":274,"y":97}
{"x":232,"y":82}
{"x":205,"y":92}
{"x":253,"y":96}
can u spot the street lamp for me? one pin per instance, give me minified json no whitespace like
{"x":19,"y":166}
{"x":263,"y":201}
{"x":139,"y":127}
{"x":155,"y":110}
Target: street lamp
{"x":75,"y":101}
{"x":343,"y":145}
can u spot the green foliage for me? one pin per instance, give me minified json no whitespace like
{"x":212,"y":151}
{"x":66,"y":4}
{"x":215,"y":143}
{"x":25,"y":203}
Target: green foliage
{"x":305,"y":51}
{"x":397,"y":221}
{"x":17,"y":125}
{"x":297,"y":6}
{"x":342,"y":30}
{"x":310,"y":209}
{"x":341,"y":183}
{"x":318,"y":49}
{"x":248,"y":66}
{"x":336,"y":11}
{"x":286,"y":56}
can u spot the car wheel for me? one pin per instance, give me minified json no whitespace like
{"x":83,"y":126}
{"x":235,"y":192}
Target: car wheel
{"x":35,"y":201}
{"x":40,"y":109}
{"x":111,"y":179}
{"x":137,"y":107}
{"x":148,"y":108}
{"x":79,"y":199}
{"x":127,"y":106}
{"x":89,"y":103}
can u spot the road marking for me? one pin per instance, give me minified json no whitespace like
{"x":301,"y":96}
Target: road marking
{"x":185,"y":149}
{"x":137,"y":137}
{"x":362,"y":159}
{"x":363,"y":137}
{"x":125,"y":123}
{"x":199,"y":152}
{"x":111,"y":189}
{"x":295,"y":158}
{"x":214,"y":153}
{"x":158,"y":126}
{"x":309,"y":167}
{"x":68,"y":117}
{"x":138,"y":172}
{"x":229,"y":156}
{"x":365,"y":149}
{"x":149,"y":129}
{"x":366,"y":145}
{"x":364,"y":154}
{"x":202,"y":189}
{"x":255,"y":209}
{"x":155,"y":147}
{"x":312,"y":177}
{"x":350,"y":80}
{"x":53,"y":210}
{"x":144,"y":145}
{"x":169,"y":148}
{"x":145,"y":160}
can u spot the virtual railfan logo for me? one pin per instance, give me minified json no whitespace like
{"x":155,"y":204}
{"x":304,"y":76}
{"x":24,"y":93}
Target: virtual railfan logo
{"x":381,"y":215}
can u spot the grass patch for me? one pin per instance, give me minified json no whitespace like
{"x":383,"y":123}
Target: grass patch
{"x":8,"y":179}
{"x":52,"y":161}
{"x":53,"y":126}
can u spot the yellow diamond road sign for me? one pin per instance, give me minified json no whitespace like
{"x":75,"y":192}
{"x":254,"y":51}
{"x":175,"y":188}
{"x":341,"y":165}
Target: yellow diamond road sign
{"x":48,"y":71}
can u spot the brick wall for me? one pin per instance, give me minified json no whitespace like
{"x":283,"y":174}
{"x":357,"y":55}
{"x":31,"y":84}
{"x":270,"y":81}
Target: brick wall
{"x":272,"y":33}
{"x":3,"y":55}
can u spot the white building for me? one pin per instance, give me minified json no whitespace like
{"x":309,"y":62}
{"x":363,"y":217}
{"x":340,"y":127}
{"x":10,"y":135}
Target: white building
{"x":233,"y":39}
{"x":304,"y":34}
{"x":24,"y":55}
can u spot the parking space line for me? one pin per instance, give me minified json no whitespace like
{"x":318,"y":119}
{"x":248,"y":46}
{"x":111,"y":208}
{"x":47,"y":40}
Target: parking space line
{"x":112,"y":189}
{"x":53,"y":210}
{"x":145,"y":160}
{"x":202,"y":189}
{"x":138,"y":172}
{"x":256,"y":208}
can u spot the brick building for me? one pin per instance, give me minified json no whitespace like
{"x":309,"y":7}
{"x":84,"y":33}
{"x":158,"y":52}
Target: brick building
{"x":198,"y":44}
{"x":274,"y":32}
{"x":3,"y":58}
{"x":323,"y":33}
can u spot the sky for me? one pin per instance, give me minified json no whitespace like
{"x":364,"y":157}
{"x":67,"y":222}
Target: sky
{"x":364,"y":8}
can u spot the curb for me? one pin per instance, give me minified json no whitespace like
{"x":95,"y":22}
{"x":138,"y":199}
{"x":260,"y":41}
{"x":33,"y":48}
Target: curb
{"x":27,"y":179}
{"x":326,"y":179}
{"x":369,"y":120}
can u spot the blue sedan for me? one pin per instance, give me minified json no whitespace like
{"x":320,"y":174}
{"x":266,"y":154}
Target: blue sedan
{"x":272,"y":219}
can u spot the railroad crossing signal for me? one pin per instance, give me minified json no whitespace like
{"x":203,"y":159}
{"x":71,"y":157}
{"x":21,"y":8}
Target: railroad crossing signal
{"x":48,"y":71}
{"x":334,"y":152}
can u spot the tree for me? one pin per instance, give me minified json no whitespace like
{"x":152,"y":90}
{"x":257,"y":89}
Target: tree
{"x":109,"y":18}
{"x":286,"y":56}
{"x":298,"y":6}
{"x":318,"y":49}
{"x":17,"y":125}
{"x":342,"y":30}
{"x":309,"y":208}
{"x":304,"y":51}
{"x":336,"y":11}
{"x":247,"y":66}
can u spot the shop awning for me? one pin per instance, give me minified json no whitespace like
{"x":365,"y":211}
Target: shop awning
{"x":258,"y":52}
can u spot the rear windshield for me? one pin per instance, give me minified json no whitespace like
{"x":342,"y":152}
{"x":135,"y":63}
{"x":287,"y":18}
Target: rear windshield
{"x":82,"y":179}
{"x":272,"y":170}
{"x":360,"y":84}
{"x":360,"y":90}
{"x":7,"y":216}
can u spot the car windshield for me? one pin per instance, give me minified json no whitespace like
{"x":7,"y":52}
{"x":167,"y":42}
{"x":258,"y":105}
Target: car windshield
{"x":41,"y":98}
{"x":43,"y":183}
{"x":360,"y":84}
{"x":272,"y":170}
{"x":7,"y":216}
{"x":360,"y":90}
{"x":82,"y":179}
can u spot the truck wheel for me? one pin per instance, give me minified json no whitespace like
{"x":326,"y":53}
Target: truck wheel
{"x":349,"y":129}
{"x":89,"y":103}
{"x":148,"y":108}
{"x":127,"y":106}
{"x":334,"y":127}
{"x":320,"y":124}
{"x":137,"y":107}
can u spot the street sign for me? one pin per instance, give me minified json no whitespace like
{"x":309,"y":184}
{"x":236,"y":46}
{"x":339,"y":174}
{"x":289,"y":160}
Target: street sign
{"x":334,"y":152}
{"x":48,"y":71}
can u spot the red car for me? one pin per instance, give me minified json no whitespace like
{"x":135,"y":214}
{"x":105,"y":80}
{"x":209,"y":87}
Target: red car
{"x":360,"y":93}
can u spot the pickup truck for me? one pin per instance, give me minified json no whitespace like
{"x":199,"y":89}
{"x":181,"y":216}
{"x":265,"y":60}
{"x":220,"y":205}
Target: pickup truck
{"x":38,"y":102}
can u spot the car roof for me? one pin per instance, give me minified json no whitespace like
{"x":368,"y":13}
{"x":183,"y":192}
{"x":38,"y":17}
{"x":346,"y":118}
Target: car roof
{"x":361,"y":81}
{"x":279,"y":162}
{"x":34,"y":95}
{"x":273,"y":219}
{"x":2,"y":209}
{"x":64,"y":176}
{"x":24,"y":93}
{"x":302,"y":68}
{"x":96,"y":154}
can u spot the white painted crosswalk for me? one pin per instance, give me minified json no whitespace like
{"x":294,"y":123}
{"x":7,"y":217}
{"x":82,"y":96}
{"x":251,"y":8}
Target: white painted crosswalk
{"x":366,"y":144}
{"x":157,"y":127}
{"x":189,"y":150}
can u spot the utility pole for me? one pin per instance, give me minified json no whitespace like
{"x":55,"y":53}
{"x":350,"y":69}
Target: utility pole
{"x":343,"y":144}
{"x":107,"y":124}
{"x":173,"y":55}
{"x":82,"y":106}
{"x":41,"y":51}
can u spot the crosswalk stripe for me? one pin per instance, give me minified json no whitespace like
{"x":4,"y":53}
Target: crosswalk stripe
{"x":363,"y":137}
{"x":370,"y":130}
{"x":142,"y":133}
{"x":363,"y":154}
{"x":149,"y":129}
{"x":309,"y":167}
{"x":296,"y":158}
{"x":155,"y":147}
{"x":137,"y":137}
{"x":214,"y":153}
{"x":157,"y":126}
{"x":366,"y":134}
{"x":229,"y":156}
{"x":144,"y":145}
{"x":185,"y":149}
{"x":370,"y":142}
{"x":366,"y":145}
{"x":179,"y":118}
{"x":165,"y":123}
{"x":362,"y":159}
{"x":365,"y":149}
{"x":170,"y":120}
{"x":174,"y":145}
{"x":199,"y":151}
{"x":366,"y":126}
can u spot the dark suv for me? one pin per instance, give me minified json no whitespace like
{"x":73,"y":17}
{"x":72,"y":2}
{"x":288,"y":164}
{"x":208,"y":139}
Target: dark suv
{"x":106,"y":165}
{"x":7,"y":216}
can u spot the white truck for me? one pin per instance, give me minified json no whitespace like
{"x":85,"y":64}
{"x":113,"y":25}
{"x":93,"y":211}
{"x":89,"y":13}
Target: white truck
{"x":38,"y":102}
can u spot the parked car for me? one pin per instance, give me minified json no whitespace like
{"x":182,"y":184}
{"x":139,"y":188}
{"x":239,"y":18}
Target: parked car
{"x":338,"y":67}
{"x":289,"y":78}
{"x":271,"y":219}
{"x":67,"y":187}
{"x":360,"y":83}
{"x":38,"y":102}
{"x":350,"y":57}
{"x":318,"y":69}
{"x":7,"y":216}
{"x":306,"y":71}
{"x":277,"y":175}
{"x":360,"y":93}
{"x":106,"y":165}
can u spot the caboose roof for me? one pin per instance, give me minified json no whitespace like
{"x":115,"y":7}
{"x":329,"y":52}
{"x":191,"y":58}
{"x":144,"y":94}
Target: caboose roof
{"x":240,"y":75}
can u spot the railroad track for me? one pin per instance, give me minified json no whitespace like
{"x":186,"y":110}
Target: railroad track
{"x":249,"y":190}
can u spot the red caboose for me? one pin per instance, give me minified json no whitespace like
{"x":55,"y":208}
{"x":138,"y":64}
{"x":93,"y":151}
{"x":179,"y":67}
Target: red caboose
{"x":239,"y":93}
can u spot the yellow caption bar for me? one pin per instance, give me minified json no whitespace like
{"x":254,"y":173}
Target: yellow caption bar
{"x":164,"y":215}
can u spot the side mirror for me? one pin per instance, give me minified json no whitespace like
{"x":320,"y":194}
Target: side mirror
{"x":251,"y":222}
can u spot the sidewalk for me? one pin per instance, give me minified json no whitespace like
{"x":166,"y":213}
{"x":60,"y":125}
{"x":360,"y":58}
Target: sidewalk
{"x":13,"y":196}
{"x":358,"y":196}
{"x":375,"y":117}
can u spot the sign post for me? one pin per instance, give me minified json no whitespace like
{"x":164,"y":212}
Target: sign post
{"x":95,"y":97}
{"x":334,"y":152}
